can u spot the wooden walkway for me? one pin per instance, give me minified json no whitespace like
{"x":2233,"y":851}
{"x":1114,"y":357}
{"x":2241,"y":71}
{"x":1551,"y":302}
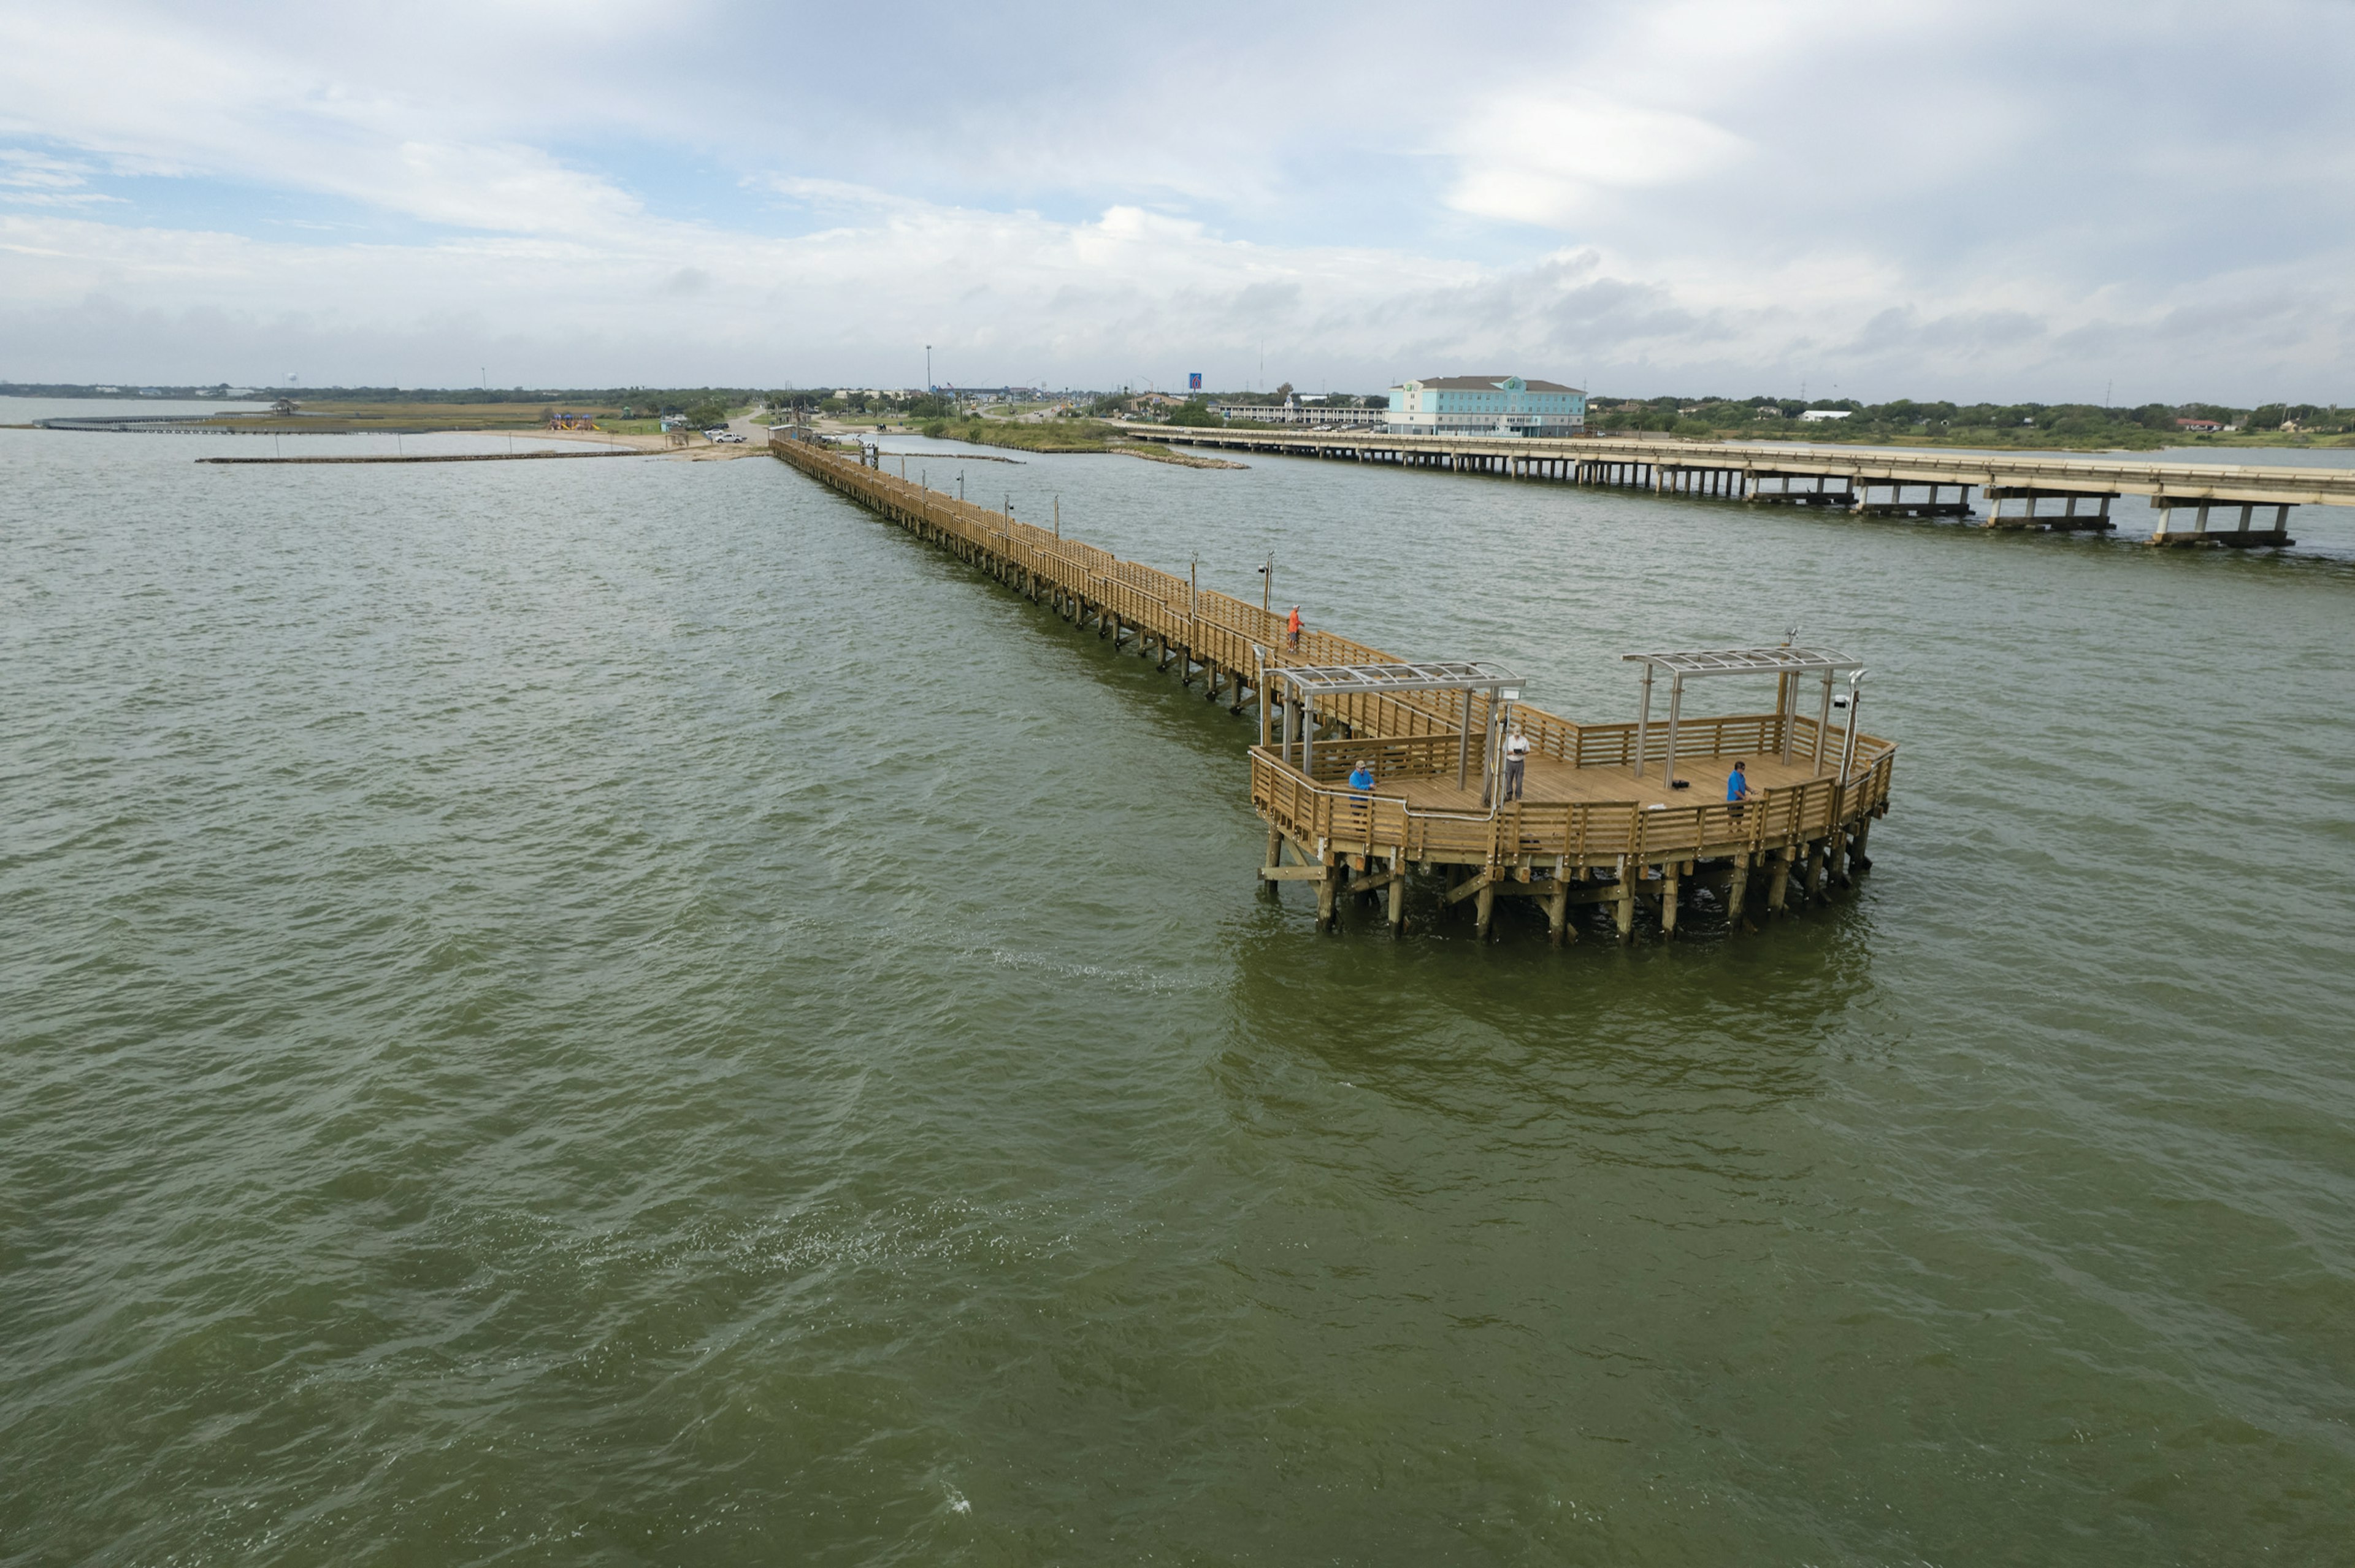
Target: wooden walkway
{"x":2218,"y":504}
{"x":1587,"y":831}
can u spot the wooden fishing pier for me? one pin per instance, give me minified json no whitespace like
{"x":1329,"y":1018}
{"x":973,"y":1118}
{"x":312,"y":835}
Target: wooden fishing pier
{"x":1629,"y":816}
{"x":2198,"y":503}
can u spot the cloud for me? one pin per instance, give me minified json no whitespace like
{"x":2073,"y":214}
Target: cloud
{"x":29,"y":179}
{"x":1543,"y":160}
{"x":1935,"y":199}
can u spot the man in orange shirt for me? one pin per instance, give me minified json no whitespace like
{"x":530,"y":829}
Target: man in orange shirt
{"x":1292,"y":627}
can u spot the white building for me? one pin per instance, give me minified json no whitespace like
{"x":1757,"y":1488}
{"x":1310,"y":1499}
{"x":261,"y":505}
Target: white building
{"x":1485,"y":405}
{"x":1294,"y":412}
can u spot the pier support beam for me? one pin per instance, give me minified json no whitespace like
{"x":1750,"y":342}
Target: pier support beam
{"x":1558,"y":930}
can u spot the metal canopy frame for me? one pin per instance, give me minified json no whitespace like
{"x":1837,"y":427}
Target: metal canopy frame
{"x":1785,"y":663}
{"x":1745,"y":661}
{"x":1469,"y":675}
{"x":1309,"y":682}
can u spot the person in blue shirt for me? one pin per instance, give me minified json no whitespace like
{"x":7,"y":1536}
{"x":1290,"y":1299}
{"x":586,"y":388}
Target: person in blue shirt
{"x":1361,"y":777}
{"x":1737,"y":790}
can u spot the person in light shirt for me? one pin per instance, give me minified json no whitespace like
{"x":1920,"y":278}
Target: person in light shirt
{"x":1517,"y":760}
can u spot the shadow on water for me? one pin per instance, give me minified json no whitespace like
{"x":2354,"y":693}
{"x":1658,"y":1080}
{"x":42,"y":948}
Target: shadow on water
{"x":1515,"y":1027}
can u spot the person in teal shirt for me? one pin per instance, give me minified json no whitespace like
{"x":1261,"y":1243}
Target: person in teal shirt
{"x":1361,"y":777}
{"x":1737,"y":789}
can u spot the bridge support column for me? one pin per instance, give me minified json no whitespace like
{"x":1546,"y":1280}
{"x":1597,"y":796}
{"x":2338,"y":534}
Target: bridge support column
{"x":1785,"y":492}
{"x":2086,"y":511}
{"x":1934,"y":505}
{"x":2169,"y":532}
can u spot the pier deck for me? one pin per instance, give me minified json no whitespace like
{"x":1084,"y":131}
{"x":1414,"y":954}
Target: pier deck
{"x":1588,"y":828}
{"x":1551,"y":782}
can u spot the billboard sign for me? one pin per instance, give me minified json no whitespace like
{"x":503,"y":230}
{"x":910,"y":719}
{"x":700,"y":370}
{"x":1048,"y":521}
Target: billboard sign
{"x":1194,"y":381}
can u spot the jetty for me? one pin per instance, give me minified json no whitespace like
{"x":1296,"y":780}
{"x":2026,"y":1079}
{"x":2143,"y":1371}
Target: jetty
{"x":2198,"y":503}
{"x":434,"y":457}
{"x":1631,"y":817}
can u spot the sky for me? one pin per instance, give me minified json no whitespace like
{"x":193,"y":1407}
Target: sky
{"x":2052,"y":202}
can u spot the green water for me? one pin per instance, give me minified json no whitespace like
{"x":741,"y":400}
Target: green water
{"x":627,"y":1012}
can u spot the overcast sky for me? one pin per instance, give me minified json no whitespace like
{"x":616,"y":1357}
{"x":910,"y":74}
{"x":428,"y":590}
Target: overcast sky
{"x":1986,"y":200}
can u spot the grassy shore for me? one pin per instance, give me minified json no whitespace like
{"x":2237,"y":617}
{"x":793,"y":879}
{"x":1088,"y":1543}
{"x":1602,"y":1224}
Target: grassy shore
{"x":1066,"y":435}
{"x":1046,"y":436}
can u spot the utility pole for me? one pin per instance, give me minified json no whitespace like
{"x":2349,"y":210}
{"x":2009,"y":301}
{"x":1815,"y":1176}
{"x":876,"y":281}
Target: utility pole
{"x":928,"y":367}
{"x":1267,"y":587}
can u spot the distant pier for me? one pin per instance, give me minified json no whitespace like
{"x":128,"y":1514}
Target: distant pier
{"x":2199,"y":503}
{"x":1630,"y":817}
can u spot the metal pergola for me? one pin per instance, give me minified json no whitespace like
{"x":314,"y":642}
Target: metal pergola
{"x":1785,"y":663}
{"x":1309,"y":682}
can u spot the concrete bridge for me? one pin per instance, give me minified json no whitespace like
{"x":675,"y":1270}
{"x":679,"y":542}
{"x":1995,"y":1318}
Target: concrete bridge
{"x":2198,"y":503}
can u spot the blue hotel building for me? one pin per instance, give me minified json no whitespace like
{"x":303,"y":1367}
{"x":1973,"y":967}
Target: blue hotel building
{"x":1485,"y":405}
